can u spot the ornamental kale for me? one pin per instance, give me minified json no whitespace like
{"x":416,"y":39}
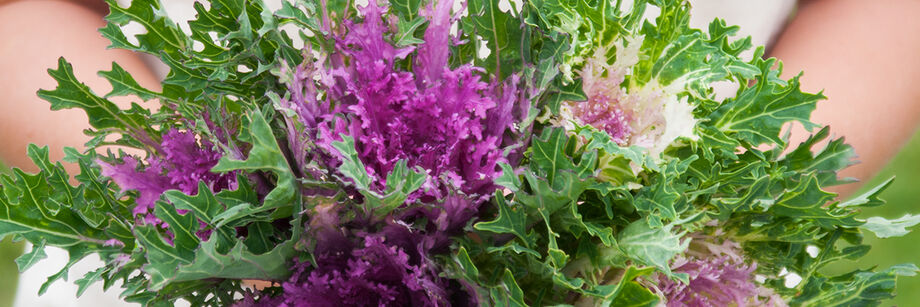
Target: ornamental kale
{"x":445,"y":124}
{"x":435,"y":152}
{"x":447,"y":121}
{"x":376,"y":274}
{"x":717,"y":276}
{"x":649,"y":116}
{"x":179,"y":163}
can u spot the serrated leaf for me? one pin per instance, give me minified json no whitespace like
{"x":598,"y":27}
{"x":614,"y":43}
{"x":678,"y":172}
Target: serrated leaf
{"x":859,"y":288}
{"x":232,"y":214}
{"x":400,"y":182}
{"x":508,"y":178}
{"x":23,"y":211}
{"x":29,"y":259}
{"x":405,"y":34}
{"x":74,"y":256}
{"x":651,"y":246}
{"x":410,"y":9}
{"x":123,"y":84}
{"x":265,"y":155}
{"x":512,"y":220}
{"x":352,"y":167}
{"x":203,"y":204}
{"x":469,"y":268}
{"x":503,"y":36}
{"x":549,"y":156}
{"x":759,"y":112}
{"x":806,"y":200}
{"x":835,"y":156}
{"x":633,"y":294}
{"x":162,"y":35}
{"x":885,"y":228}
{"x":870,"y":198}
{"x":89,"y":279}
{"x":512,"y":294}
{"x":515,"y":248}
{"x":71,"y":93}
{"x":238,"y":263}
{"x":548,"y":198}
{"x":624,"y":292}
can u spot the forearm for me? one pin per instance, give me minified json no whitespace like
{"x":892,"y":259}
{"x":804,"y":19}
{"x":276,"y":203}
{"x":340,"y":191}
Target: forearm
{"x":97,"y":6}
{"x":864,"y":54}
{"x":34,"y":35}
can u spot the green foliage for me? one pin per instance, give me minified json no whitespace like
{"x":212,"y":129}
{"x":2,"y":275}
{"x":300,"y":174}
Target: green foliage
{"x":400,"y":182}
{"x":501,"y":34}
{"x":46,"y":209}
{"x":265,"y":155}
{"x":582,"y":206}
{"x":759,"y":112}
{"x":221,"y":68}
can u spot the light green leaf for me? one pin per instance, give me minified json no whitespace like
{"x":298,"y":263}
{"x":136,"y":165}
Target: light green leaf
{"x":651,"y":246}
{"x":89,"y":279}
{"x":203,"y":204}
{"x":870,"y":198}
{"x":352,"y":167}
{"x":29,"y":259}
{"x":265,"y":155}
{"x":405,"y":35}
{"x":508,"y":178}
{"x":400,"y":182}
{"x":238,"y":263}
{"x":885,"y":228}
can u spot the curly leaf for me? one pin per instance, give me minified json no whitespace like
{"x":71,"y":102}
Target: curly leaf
{"x":71,"y":93}
{"x":759,"y":112}
{"x":400,"y":182}
{"x":265,"y":155}
{"x":885,"y":228}
{"x":652,"y":246}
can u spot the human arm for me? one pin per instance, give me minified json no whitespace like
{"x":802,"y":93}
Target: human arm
{"x":35,"y":33}
{"x":864,"y":54}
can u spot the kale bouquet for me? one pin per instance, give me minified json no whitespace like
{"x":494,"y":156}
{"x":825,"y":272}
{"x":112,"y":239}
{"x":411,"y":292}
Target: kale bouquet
{"x":436,"y":152}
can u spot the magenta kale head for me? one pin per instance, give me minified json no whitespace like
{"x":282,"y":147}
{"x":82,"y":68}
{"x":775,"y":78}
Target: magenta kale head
{"x":376,"y":274}
{"x":180,"y":163}
{"x":718,"y":276}
{"x":716,"y":281}
{"x":448,"y":121}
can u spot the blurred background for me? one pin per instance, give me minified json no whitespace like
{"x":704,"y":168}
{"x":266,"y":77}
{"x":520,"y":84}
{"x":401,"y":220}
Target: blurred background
{"x":835,"y":47}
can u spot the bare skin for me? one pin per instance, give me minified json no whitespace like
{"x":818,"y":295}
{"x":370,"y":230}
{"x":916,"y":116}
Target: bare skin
{"x":54,"y":29}
{"x":863,"y":54}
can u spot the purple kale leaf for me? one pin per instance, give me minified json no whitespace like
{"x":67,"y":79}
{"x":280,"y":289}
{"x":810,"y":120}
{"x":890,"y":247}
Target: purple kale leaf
{"x":181,"y":161}
{"x":449,"y":121}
